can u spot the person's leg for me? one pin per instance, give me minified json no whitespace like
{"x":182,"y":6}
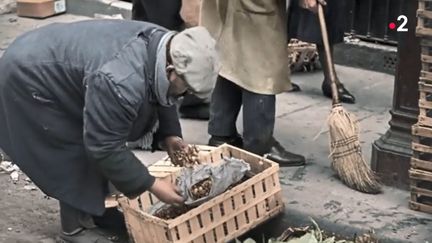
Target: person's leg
{"x":138,"y":11}
{"x":165,"y":13}
{"x":79,"y":227}
{"x":224,"y":108}
{"x":344,"y":94}
{"x":258,"y":126}
{"x":258,"y":121}
{"x":194,"y":108}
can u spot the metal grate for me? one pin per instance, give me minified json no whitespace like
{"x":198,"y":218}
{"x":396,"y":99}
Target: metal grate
{"x":390,"y":62}
{"x":369,"y":19}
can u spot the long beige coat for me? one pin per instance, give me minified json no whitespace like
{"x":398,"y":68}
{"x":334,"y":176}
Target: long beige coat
{"x":252,"y":40}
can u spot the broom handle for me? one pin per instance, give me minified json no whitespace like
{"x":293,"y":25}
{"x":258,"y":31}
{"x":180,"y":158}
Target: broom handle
{"x":328,"y":56}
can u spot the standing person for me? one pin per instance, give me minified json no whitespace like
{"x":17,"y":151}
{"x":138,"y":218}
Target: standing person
{"x":252,"y":39}
{"x":70,"y":100}
{"x":304,"y":25}
{"x":174,"y":15}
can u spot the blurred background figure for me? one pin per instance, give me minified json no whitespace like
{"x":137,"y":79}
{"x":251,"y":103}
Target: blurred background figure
{"x":303,"y":24}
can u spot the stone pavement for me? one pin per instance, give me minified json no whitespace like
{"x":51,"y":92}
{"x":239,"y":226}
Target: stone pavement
{"x":312,"y":190}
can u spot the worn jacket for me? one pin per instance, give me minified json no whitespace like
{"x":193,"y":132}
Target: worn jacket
{"x":252,"y":39}
{"x":71,"y":96}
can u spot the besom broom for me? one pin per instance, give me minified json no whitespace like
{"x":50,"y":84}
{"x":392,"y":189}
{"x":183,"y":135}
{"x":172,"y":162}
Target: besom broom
{"x":345,"y":150}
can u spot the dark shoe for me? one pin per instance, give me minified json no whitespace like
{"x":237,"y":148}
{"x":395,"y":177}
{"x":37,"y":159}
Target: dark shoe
{"x":199,"y":112}
{"x":281,"y":156}
{"x":236,"y":141}
{"x":344,"y":95}
{"x":87,"y":236}
{"x":295,"y":88}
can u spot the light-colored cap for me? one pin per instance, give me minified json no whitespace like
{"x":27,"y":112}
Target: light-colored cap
{"x":193,"y":53}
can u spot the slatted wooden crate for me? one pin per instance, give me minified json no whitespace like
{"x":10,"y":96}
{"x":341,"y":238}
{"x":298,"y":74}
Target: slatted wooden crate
{"x":421,"y":190}
{"x":424,"y":31}
{"x":424,"y":18}
{"x":421,"y":161}
{"x":221,"y":219}
{"x":421,"y":169}
{"x":421,"y":145}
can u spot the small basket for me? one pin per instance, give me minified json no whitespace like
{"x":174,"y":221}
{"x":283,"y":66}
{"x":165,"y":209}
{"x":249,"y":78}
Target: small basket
{"x":221,"y":219}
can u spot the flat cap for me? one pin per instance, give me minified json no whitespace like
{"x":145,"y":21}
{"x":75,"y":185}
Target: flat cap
{"x":194,"y":56}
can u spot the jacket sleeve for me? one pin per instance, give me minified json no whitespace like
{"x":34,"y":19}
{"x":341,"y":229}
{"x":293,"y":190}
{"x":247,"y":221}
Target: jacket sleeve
{"x":169,"y":124}
{"x":109,"y":112}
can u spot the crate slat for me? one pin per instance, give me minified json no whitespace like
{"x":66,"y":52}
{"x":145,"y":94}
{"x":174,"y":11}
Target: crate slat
{"x":424,"y":121}
{"x":420,"y":207}
{"x":421,"y":191}
{"x":422,"y":31}
{"x":422,"y":131}
{"x":421,"y":164}
{"x":421,"y":148}
{"x":420,"y":175}
{"x":425,"y":104}
{"x":426,"y":59}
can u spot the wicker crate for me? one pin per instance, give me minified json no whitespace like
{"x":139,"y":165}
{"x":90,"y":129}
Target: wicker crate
{"x":302,"y":56}
{"x":223,"y":218}
{"x":421,"y":190}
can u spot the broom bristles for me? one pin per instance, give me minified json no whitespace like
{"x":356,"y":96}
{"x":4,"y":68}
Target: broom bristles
{"x":346,"y":154}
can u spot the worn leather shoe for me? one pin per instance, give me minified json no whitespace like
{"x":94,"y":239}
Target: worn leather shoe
{"x":281,"y":156}
{"x":236,"y":141}
{"x":87,"y":236}
{"x":344,"y":95}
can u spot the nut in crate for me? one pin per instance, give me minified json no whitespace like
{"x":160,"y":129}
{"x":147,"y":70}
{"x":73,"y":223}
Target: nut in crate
{"x":201,"y":189}
{"x":188,"y":157}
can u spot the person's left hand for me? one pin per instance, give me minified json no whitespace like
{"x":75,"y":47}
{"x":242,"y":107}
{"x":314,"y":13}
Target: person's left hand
{"x":173,"y":144}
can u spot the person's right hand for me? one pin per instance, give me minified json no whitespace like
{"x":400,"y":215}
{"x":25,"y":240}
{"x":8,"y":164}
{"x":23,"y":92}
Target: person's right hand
{"x":166,"y":191}
{"x":312,"y":5}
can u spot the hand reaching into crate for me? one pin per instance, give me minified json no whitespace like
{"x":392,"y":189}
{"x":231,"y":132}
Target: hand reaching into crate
{"x":166,"y":191}
{"x":175,"y":145}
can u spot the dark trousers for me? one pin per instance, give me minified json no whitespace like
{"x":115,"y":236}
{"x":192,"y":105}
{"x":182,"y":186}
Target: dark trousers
{"x":74,"y":220}
{"x":165,"y":13}
{"x":258,"y":115}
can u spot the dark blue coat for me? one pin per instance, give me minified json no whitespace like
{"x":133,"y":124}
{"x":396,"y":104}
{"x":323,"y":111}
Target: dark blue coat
{"x":71,"y":95}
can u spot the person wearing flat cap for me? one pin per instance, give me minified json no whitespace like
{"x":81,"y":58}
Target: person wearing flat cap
{"x":72,"y":95}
